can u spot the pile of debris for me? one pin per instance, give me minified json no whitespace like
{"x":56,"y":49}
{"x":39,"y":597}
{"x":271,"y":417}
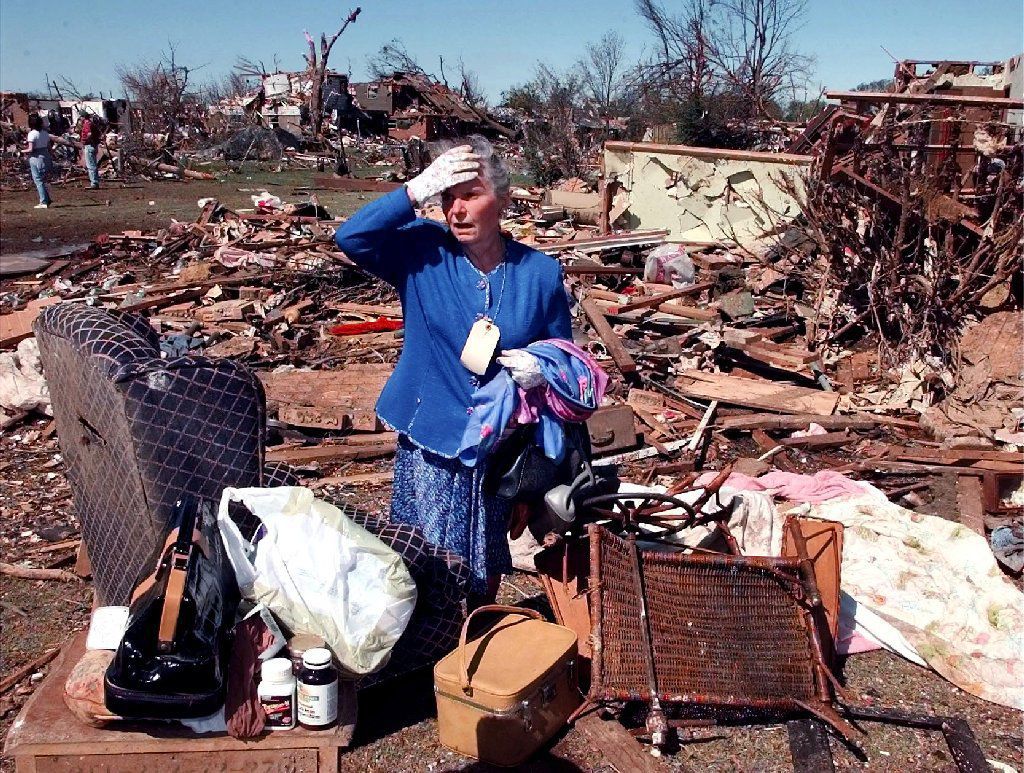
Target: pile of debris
{"x":269,"y":289}
{"x":914,"y":205}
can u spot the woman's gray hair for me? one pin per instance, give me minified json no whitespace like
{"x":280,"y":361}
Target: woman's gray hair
{"x":492,"y":166}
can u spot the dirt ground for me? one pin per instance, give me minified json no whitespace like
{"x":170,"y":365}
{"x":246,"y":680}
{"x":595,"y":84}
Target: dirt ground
{"x":80,"y":214}
{"x":397,"y":726}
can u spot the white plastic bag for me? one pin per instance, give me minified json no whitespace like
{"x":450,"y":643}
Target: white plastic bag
{"x":320,"y":573}
{"x":669,"y":264}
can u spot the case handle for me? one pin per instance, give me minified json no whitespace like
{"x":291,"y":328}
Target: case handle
{"x":464,"y":675}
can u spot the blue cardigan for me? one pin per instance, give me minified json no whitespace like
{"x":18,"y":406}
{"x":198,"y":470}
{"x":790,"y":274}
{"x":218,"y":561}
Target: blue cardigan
{"x":429,"y":396}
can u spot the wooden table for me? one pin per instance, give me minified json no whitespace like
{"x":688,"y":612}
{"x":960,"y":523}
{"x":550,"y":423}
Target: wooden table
{"x":47,"y":738}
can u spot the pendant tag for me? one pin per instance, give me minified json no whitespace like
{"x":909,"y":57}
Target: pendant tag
{"x":480,"y":346}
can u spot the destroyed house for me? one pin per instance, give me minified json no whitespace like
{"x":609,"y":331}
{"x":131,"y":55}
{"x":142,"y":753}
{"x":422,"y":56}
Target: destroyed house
{"x":408,"y":105}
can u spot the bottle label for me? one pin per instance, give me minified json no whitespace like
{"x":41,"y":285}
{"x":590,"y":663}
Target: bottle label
{"x":279,"y":709}
{"x":318,"y":703}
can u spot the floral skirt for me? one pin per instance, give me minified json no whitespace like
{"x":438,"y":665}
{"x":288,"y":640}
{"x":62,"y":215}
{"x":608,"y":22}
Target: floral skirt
{"x":445,"y":499}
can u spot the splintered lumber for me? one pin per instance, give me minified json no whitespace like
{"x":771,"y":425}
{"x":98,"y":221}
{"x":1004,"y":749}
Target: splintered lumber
{"x":755,"y":393}
{"x":619,"y":355}
{"x":322,"y":399}
{"x":827,"y":440}
{"x":17,"y":326}
{"x":654,"y":300}
{"x":690,"y":312}
{"x":617,"y":746}
{"x":794,"y":421}
{"x":394,"y":312}
{"x":331,"y":453}
{"x":225,"y":311}
{"x":698,"y":434}
{"x":955,"y":455}
{"x":357,"y":479}
{"x":906,"y":98}
{"x":29,"y":573}
{"x":970,"y":500}
{"x":29,"y":668}
{"x":609,"y":242}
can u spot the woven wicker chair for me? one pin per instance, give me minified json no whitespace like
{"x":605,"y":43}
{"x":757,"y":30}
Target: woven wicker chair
{"x":735,"y":632}
{"x":137,"y":432}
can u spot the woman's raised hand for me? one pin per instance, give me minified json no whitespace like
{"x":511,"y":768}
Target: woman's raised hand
{"x":454,"y":166}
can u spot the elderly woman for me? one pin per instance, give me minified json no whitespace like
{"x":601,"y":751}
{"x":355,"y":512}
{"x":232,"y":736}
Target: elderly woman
{"x":467,"y":293}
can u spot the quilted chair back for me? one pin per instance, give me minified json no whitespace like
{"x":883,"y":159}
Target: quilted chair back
{"x":137,"y":432}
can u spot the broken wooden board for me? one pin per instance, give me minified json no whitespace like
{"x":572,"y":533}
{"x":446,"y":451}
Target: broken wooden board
{"x":970,"y":502}
{"x":48,"y":737}
{"x":17,"y":326}
{"x":1000,"y":338}
{"x":236,"y":346}
{"x":225,"y":311}
{"x":337,"y":452}
{"x":827,"y":440}
{"x":395,"y":312}
{"x":669,"y":295}
{"x":335,"y":399}
{"x":356,"y":479}
{"x":619,"y":355}
{"x":755,"y":393}
{"x":795,"y":421}
{"x":689,"y":312}
{"x":618,"y":748}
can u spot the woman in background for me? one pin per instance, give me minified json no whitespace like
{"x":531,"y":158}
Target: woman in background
{"x":37,"y":148}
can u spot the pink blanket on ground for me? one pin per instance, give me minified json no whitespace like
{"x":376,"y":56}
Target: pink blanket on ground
{"x":820,"y":487}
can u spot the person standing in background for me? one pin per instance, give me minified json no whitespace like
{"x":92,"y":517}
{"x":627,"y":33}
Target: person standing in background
{"x":37,"y":148}
{"x":92,"y":133}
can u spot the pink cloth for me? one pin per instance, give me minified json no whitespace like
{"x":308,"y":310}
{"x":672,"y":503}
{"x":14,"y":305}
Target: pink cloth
{"x":820,"y":487}
{"x":562,"y":408}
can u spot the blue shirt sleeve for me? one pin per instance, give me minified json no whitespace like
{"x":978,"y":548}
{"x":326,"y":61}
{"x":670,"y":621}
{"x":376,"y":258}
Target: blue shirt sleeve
{"x":557,"y":318}
{"x":372,"y":238}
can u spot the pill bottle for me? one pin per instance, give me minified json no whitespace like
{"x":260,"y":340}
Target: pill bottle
{"x":317,"y":690}
{"x":297,"y":646}
{"x":277,"y":693}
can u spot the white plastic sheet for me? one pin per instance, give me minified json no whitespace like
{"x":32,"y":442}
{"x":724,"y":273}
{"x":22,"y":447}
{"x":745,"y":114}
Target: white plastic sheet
{"x":320,"y":573}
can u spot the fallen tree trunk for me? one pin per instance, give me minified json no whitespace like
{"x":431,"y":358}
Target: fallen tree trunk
{"x":28,"y":573}
{"x":183,"y":172}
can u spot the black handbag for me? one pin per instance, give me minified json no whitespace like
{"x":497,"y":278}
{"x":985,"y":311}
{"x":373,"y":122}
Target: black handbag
{"x":170,"y":663}
{"x":518,"y":470}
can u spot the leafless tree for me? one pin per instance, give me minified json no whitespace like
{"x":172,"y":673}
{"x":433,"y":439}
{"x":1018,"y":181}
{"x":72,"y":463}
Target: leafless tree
{"x":551,"y":145}
{"x":601,"y":71}
{"x":753,"y":50}
{"x":742,"y":48}
{"x":682,"y":65}
{"x":159,"y":93}
{"x":469,"y":86}
{"x":317,"y":68}
{"x":231,"y":85}
{"x":393,"y":57}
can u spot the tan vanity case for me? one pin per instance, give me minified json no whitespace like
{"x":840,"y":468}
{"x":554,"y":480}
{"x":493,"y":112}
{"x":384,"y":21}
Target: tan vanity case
{"x":502,"y":695}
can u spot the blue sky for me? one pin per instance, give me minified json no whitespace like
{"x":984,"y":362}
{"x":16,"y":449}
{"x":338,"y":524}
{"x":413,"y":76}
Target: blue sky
{"x":501,"y":41}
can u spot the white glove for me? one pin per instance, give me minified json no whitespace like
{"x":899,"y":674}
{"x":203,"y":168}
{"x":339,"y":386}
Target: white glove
{"x":523,"y":367}
{"x":452,"y":167}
